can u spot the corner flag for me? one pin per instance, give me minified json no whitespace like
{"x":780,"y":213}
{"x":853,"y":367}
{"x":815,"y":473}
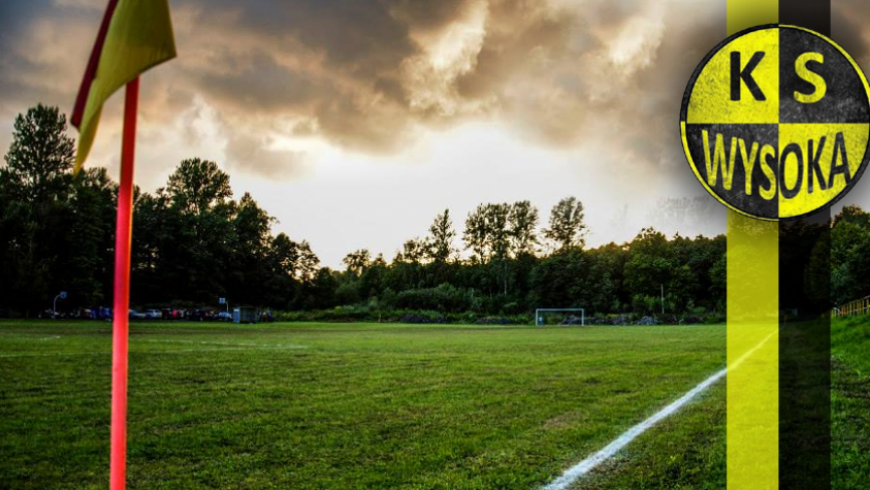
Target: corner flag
{"x":134,"y":36}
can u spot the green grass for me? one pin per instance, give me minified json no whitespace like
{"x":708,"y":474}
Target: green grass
{"x":687,"y":451}
{"x":362,"y":406}
{"x":850,"y":343}
{"x":850,"y":403}
{"x":684,"y":452}
{"x":387,"y":406}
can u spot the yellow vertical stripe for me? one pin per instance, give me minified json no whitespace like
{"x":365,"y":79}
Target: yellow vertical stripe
{"x":743,"y":14}
{"x":753,"y":384}
{"x":753,"y":322}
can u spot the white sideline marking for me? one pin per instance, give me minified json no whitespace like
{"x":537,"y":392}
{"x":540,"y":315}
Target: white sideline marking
{"x":230,"y":344}
{"x":28,"y":336}
{"x":238,"y":348}
{"x":572,"y":474}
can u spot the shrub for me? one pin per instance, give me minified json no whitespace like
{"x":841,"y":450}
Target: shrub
{"x":445,"y":298}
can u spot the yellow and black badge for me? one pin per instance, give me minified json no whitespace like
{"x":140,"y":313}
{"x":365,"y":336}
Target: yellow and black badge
{"x":775,"y":122}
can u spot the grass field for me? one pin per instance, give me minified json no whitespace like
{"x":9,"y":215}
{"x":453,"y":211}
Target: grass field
{"x":361,"y":406}
{"x":688,"y":450}
{"x":331,"y":406}
{"x":850,"y":403}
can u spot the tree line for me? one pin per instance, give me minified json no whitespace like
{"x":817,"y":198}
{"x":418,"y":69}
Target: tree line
{"x":193,"y":242}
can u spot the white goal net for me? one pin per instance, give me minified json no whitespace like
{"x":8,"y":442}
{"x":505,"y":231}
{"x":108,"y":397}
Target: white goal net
{"x":569,"y":316}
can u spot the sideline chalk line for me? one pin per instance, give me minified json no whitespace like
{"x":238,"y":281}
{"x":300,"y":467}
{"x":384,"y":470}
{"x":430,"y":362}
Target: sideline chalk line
{"x":572,"y":474}
{"x":228,"y":348}
{"x":229,"y":344}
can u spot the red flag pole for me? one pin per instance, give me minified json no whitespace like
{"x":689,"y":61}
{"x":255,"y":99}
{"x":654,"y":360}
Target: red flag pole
{"x":120,"y":328}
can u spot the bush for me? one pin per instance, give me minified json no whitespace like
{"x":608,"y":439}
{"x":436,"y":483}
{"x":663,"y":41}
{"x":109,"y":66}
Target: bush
{"x":423,"y":318}
{"x":444,"y":298}
{"x":372,"y":312}
{"x":495,"y":321}
{"x":572,"y":320}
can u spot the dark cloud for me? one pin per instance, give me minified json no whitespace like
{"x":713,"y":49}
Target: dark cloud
{"x":426,"y":14}
{"x":507,"y":50}
{"x":252,"y":153}
{"x":848,"y":18}
{"x":359,"y":36}
{"x":16,"y":15}
{"x":261,"y":85}
{"x":365,"y":74}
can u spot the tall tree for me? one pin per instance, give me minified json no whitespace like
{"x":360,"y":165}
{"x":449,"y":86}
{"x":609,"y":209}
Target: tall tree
{"x":157,"y":238}
{"x":499,"y":238}
{"x":413,"y":251}
{"x":850,"y":255}
{"x":40,"y":156}
{"x":441,"y":235}
{"x":198,"y":185}
{"x":308,"y":263}
{"x":251,"y":229}
{"x":486,"y":232}
{"x":35,"y":186}
{"x":567,"y":224}
{"x":523,"y":223}
{"x":284,"y":254}
{"x":90,"y":237}
{"x":201,"y":254}
{"x":356,"y":262}
{"x":476,"y":234}
{"x":252,"y":224}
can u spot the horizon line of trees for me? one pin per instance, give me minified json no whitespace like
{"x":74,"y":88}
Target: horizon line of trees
{"x":194,"y":243}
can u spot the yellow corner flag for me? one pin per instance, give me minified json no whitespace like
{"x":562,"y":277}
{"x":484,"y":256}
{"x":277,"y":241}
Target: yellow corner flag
{"x":135,"y":35}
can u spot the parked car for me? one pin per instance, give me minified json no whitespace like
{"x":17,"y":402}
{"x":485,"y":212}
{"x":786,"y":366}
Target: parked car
{"x":136,"y":315}
{"x":153,"y":314}
{"x":200,"y":315}
{"x":225,"y":316}
{"x":172,"y":314}
{"x":102,"y":313}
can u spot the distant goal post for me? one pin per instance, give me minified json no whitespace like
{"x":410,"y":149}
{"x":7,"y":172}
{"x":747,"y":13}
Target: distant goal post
{"x":541,"y":312}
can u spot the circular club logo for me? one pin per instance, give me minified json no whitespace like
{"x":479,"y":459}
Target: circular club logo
{"x":775,"y":122}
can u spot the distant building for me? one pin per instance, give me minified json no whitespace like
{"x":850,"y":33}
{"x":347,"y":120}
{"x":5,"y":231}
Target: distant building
{"x":246,"y":314}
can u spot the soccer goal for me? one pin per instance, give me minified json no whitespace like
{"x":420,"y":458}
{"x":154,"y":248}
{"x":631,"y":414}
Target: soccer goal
{"x":570,"y":315}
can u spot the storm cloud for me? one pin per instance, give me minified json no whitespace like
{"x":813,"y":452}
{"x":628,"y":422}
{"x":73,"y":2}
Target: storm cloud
{"x":368,"y":75}
{"x":318,"y":95}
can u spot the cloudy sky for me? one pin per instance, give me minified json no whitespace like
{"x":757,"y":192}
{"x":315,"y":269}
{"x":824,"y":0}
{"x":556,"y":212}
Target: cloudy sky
{"x":355,"y":122}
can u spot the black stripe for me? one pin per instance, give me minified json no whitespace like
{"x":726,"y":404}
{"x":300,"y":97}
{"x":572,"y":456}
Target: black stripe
{"x":805,"y":338}
{"x":812,"y":14}
{"x":805,"y":354}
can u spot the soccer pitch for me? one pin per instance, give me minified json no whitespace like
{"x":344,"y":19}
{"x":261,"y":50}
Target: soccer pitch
{"x":363,"y":406}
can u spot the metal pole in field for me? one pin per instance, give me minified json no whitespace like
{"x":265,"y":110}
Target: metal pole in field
{"x":120,"y":326}
{"x":134,"y":37}
{"x":62,"y":295}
